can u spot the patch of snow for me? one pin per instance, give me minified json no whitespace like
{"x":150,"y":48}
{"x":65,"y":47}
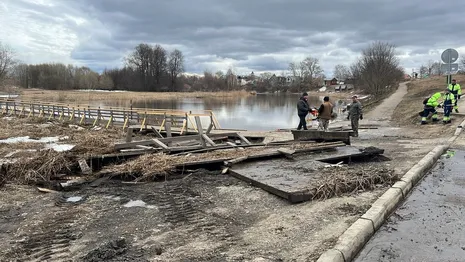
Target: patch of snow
{"x":59,"y":147}
{"x":138,"y":203}
{"x":51,"y":142}
{"x":17,"y":151}
{"x":76,"y":127}
{"x":74,"y":199}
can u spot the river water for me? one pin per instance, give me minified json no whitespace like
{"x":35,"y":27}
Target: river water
{"x":262,"y":112}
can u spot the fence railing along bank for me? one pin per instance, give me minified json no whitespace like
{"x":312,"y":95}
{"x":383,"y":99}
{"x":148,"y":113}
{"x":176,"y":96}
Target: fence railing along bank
{"x":111,"y":116}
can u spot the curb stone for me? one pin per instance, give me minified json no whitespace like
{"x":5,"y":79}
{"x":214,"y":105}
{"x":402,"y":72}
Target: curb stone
{"x":359,"y":233}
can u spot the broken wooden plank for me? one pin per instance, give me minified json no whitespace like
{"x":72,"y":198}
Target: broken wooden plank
{"x":231,"y":144}
{"x":286,"y":152}
{"x":129,"y":134}
{"x":243,"y":139}
{"x":159,"y":143}
{"x":272,"y":154}
{"x":145,"y":147}
{"x":168,"y":128}
{"x":85,"y":169}
{"x":231,"y":162}
{"x":198,"y":123}
{"x":209,"y":129}
{"x":321,"y":135}
{"x":208,"y":140}
{"x":46,"y":190}
{"x":155,"y":131}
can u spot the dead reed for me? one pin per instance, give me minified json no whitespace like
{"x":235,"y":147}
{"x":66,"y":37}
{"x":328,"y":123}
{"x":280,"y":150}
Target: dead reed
{"x":349,"y":180}
{"x":38,"y":169}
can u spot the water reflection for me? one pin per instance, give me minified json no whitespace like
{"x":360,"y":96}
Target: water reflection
{"x":262,"y":112}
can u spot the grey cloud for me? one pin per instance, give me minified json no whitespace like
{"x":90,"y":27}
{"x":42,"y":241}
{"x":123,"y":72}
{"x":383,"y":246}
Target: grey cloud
{"x":251,"y":34}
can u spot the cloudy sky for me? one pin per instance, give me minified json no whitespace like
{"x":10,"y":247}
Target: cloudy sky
{"x":246,"y":35}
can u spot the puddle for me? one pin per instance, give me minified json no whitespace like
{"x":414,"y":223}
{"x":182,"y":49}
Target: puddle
{"x":74,"y":199}
{"x":138,"y":203}
{"x":51,"y":142}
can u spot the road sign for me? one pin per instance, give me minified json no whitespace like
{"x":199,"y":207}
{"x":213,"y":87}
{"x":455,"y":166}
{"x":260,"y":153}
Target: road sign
{"x":449,"y":56}
{"x":449,"y":68}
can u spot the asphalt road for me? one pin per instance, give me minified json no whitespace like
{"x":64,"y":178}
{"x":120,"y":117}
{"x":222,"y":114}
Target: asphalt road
{"x":429,"y":225}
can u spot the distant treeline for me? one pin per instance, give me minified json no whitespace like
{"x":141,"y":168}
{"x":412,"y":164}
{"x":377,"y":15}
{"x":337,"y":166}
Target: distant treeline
{"x":153,"y":68}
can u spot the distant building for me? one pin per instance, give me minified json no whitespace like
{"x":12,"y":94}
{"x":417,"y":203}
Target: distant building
{"x":330,"y":82}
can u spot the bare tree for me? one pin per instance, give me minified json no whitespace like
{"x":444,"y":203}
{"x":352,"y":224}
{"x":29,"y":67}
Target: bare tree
{"x":7,"y":61}
{"x":175,"y":66}
{"x":379,"y":68}
{"x":140,"y":60}
{"x":341,"y":72}
{"x":159,"y":62}
{"x":311,"y":68}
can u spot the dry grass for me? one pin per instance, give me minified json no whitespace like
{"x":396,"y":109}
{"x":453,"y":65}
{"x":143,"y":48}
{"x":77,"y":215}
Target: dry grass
{"x":87,"y":140}
{"x":80,"y":96}
{"x":406,"y":112}
{"x":351,"y":180}
{"x":39,"y":169}
{"x":147,"y":166}
{"x":42,"y":164}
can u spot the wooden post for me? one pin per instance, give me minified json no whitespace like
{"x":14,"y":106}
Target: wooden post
{"x":129,"y":134}
{"x":14,"y":107}
{"x":130,"y":101}
{"x":200,"y":130}
{"x":168,"y":128}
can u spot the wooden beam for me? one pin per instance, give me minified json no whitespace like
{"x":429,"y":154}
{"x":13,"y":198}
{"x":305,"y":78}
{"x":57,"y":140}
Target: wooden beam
{"x":145,"y":147}
{"x":129,"y":134}
{"x":168,"y":128}
{"x":243,"y":139}
{"x":159,"y":143}
{"x":85,"y":169}
{"x":209,"y":129}
{"x":208,"y":140}
{"x":156,"y":132}
{"x":198,"y":123}
{"x":231,"y":162}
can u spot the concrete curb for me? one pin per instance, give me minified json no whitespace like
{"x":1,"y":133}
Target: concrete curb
{"x":360,"y":232}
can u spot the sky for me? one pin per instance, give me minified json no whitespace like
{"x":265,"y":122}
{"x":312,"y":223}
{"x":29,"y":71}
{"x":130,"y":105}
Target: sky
{"x":245,"y":35}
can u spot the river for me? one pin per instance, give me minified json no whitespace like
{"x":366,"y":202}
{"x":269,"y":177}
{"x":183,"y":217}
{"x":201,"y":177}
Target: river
{"x":262,"y":112}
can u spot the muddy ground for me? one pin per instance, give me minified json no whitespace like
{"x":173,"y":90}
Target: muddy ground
{"x":204,"y":216}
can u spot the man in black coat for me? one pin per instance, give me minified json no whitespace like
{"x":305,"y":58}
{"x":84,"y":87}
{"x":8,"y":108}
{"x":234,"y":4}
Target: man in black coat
{"x":302,"y":110}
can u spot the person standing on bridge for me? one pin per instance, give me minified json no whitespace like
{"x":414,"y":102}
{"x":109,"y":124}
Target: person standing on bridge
{"x":355,"y":114}
{"x":456,"y":90}
{"x":449,"y":101}
{"x":324,"y":114}
{"x":302,"y":110}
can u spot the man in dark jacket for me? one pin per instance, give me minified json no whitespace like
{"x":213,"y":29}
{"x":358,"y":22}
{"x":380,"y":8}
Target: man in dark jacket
{"x":302,"y":110}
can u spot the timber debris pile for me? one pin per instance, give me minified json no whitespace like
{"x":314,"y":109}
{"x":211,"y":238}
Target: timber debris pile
{"x":71,"y":154}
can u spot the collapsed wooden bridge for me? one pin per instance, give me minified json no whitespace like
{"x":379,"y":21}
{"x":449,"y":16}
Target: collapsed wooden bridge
{"x":181,"y":122}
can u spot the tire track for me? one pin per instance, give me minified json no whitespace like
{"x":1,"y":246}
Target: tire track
{"x":182,"y":207}
{"x":53,"y":237}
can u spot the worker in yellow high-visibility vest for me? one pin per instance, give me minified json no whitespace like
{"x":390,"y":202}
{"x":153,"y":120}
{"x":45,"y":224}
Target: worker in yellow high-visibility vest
{"x":455,"y":89}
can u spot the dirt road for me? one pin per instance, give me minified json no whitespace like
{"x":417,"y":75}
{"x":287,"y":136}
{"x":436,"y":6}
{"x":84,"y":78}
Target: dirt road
{"x":384,"y":111}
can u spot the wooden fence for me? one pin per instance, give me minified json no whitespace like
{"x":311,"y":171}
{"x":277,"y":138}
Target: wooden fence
{"x":111,"y":116}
